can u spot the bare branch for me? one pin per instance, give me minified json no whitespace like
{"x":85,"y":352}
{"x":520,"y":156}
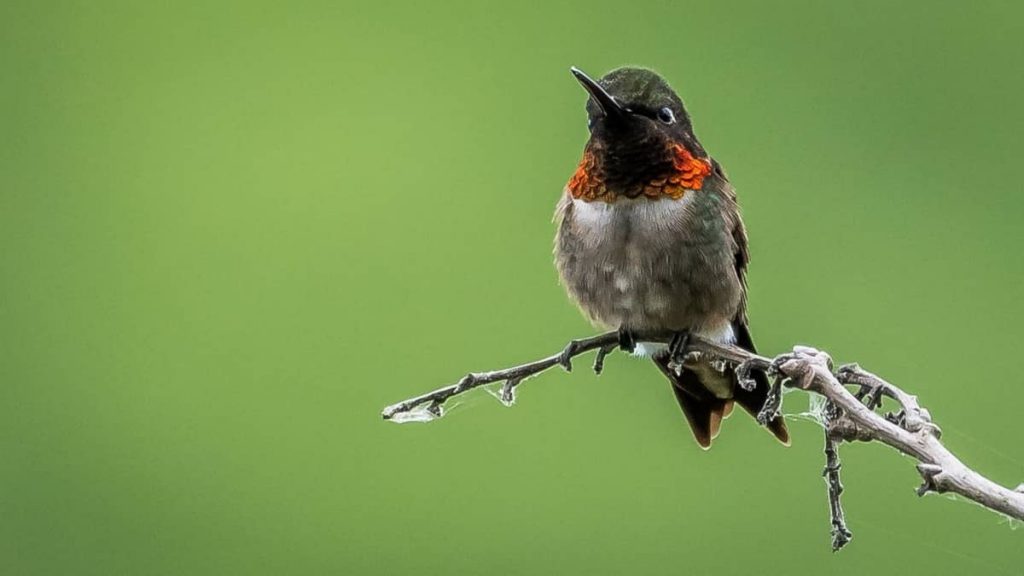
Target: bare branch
{"x":603,"y":343}
{"x":848,"y":416}
{"x":841,"y":535}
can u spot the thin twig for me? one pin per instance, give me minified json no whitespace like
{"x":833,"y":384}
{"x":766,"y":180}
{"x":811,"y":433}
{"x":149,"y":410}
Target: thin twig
{"x":841,"y":535}
{"x":604,"y":343}
{"x":909,"y":431}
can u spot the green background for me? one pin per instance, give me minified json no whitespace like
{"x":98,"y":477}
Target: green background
{"x":232,"y":233}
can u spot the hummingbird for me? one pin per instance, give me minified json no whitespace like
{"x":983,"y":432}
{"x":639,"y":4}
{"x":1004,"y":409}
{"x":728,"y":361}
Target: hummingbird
{"x":649,"y":238}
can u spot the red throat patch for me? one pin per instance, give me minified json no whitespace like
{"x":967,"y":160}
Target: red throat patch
{"x":587,"y":183}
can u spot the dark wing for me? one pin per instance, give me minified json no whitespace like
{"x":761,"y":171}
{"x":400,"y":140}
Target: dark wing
{"x":751,"y":400}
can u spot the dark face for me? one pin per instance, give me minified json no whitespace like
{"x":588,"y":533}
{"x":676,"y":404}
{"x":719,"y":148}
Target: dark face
{"x":635,"y":118}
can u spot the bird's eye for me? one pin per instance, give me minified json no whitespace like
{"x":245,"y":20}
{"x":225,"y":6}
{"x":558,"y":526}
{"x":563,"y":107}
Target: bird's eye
{"x":666,"y":115}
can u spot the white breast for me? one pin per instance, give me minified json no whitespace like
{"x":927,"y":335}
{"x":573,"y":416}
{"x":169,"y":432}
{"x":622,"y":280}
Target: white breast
{"x":641,"y":214}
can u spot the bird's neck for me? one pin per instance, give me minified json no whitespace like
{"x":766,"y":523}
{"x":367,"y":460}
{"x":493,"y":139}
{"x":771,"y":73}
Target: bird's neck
{"x":605,"y":175}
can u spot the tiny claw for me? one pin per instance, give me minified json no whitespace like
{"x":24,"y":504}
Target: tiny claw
{"x":627,"y":342}
{"x":677,"y":346}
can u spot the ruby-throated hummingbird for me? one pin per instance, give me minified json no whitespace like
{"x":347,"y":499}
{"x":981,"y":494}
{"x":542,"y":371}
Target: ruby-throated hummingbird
{"x":650,"y":239}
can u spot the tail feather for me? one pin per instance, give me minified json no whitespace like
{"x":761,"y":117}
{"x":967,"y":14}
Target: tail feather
{"x":703,"y":411}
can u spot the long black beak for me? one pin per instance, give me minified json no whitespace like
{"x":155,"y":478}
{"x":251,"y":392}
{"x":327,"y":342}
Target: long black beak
{"x":611,"y":108}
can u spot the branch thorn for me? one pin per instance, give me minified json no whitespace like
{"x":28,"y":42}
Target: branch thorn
{"x":508,"y":391}
{"x":928,"y":474}
{"x":772,"y":404}
{"x":599,"y":359}
{"x":743,"y":376}
{"x":565,"y":358}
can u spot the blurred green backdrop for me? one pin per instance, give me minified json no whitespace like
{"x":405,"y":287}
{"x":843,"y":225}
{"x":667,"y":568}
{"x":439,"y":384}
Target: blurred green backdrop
{"x":233,"y":232}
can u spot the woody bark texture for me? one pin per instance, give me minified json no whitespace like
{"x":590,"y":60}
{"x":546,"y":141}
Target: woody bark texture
{"x":848,"y":415}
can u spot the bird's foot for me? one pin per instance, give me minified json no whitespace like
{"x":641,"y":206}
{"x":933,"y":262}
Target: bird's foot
{"x":677,"y":346}
{"x":627,"y":340}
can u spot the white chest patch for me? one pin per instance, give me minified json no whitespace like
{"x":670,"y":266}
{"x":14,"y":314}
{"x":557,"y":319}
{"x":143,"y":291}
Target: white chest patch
{"x":592,"y":213}
{"x":640,"y":212}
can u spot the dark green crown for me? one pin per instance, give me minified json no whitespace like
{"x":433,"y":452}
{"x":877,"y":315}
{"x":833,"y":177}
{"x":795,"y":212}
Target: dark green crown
{"x":642,"y":91}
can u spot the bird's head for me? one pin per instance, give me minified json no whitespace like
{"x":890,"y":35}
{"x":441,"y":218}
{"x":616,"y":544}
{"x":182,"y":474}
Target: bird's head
{"x":641,"y":139}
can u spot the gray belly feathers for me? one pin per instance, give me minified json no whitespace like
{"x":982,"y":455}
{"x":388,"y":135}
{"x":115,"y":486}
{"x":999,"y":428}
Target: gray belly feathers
{"x":651,"y":264}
